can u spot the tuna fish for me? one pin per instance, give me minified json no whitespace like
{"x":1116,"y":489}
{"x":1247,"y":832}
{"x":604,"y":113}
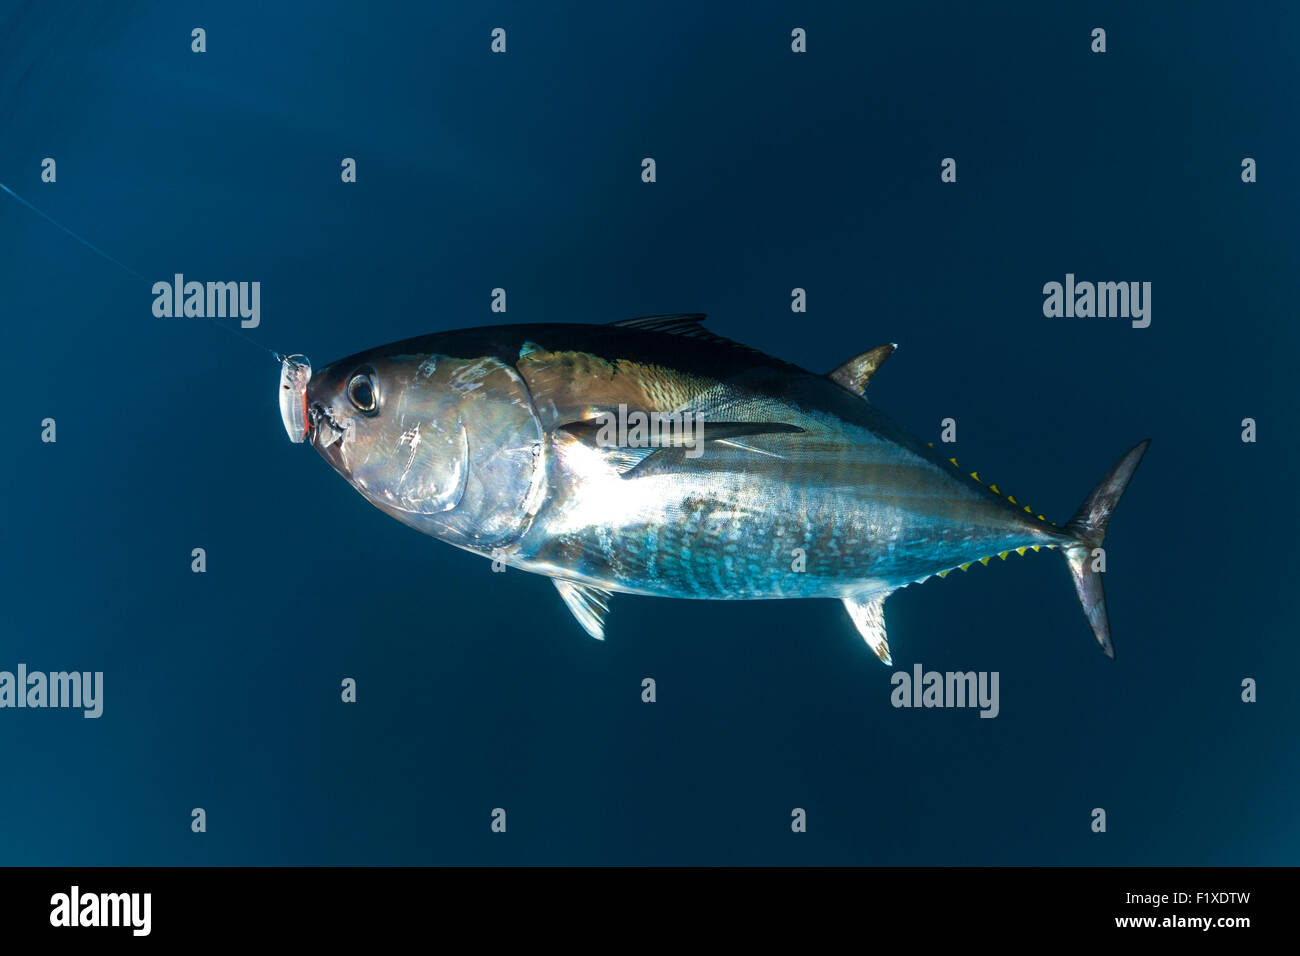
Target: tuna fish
{"x":652,"y":457}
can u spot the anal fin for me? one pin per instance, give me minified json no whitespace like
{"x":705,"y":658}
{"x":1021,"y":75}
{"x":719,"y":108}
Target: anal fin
{"x":868,"y":614}
{"x":589,"y":605}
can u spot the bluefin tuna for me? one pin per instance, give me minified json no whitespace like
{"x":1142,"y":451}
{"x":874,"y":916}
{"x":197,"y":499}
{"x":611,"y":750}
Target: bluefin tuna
{"x":653,"y":457}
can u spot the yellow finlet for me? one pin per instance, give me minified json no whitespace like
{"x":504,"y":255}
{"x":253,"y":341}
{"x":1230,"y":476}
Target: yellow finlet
{"x":994,"y":489}
{"x":1021,"y":551}
{"x":976,"y":476}
{"x":966,"y":565}
{"x":954,"y":462}
{"x":1035,"y":546}
{"x":985,"y":560}
{"x":943,"y":574}
{"x":1012,"y":499}
{"x":1003,"y":555}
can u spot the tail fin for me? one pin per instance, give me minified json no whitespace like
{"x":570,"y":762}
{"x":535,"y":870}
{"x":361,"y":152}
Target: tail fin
{"x":1088,"y":529}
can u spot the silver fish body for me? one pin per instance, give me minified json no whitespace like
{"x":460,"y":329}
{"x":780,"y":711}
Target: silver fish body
{"x":787,"y":484}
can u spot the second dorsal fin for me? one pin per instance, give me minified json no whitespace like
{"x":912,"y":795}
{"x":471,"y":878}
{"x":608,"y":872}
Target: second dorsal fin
{"x":857,"y":371}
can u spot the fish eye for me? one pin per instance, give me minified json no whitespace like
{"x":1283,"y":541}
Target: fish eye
{"x":361,"y":392}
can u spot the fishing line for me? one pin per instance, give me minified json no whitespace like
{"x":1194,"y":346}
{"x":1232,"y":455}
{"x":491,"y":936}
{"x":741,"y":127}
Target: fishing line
{"x":98,"y":251}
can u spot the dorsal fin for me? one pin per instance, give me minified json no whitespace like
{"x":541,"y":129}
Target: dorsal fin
{"x":686,"y":324}
{"x":856,"y":372}
{"x":691,"y":325}
{"x":679,"y":323}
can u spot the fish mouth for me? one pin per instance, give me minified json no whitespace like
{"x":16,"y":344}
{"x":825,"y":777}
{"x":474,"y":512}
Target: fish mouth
{"x":323,"y":430}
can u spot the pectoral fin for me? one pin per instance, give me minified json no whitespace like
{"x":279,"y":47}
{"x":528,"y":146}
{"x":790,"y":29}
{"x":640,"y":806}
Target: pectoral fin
{"x":674,"y":430}
{"x":868,"y":614}
{"x":741,"y":446}
{"x":623,"y":460}
{"x":589,"y":605}
{"x":627,"y":447}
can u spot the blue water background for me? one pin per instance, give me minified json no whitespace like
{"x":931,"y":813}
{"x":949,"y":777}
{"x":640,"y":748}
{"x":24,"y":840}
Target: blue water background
{"x":775,"y":171}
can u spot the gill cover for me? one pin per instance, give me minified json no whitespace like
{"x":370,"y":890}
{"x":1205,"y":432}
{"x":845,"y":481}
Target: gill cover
{"x":435,"y":469}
